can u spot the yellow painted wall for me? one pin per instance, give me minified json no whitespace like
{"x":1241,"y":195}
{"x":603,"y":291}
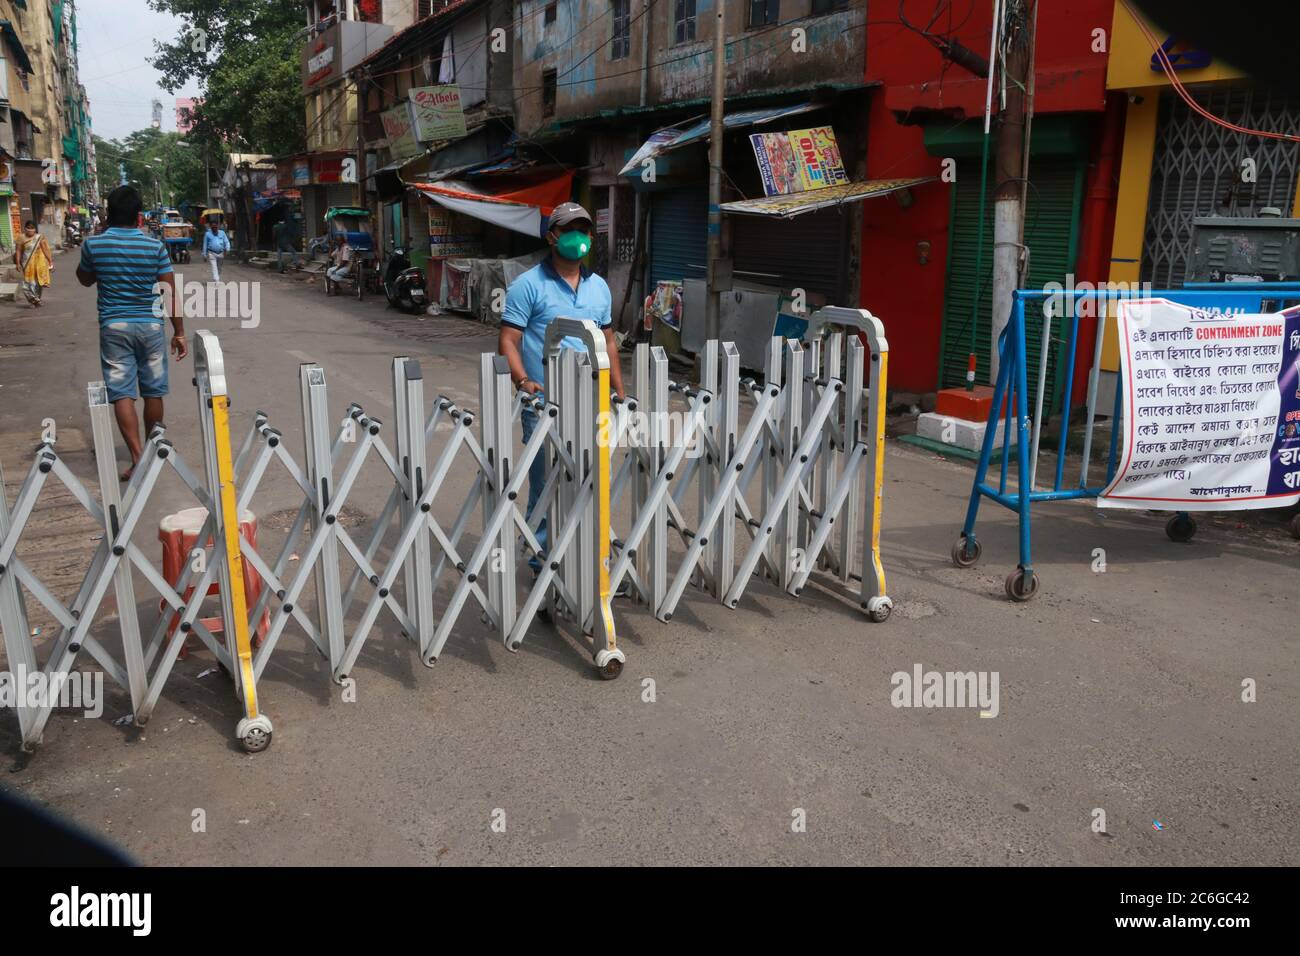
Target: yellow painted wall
{"x":1129,"y":66}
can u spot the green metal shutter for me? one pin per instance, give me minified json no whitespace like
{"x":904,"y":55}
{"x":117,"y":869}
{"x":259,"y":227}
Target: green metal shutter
{"x":679,"y":231}
{"x":1051,"y":230}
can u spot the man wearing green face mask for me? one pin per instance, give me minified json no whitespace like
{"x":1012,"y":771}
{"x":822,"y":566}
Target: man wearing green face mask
{"x":557,"y":286}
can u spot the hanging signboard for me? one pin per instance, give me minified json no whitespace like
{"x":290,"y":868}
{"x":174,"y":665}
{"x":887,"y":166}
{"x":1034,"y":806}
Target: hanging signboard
{"x":1211,"y":409}
{"x":437,"y":114}
{"x":452,"y":235}
{"x":397,"y":127}
{"x":799,"y":160}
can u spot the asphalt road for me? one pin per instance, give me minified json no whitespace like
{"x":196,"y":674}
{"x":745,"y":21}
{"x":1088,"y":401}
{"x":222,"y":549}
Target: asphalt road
{"x":1119,"y":690}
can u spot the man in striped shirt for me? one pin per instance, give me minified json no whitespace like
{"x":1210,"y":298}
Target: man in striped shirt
{"x":127,"y":264}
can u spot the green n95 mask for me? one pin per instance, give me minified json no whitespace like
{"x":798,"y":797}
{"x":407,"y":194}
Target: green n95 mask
{"x":573,"y":244}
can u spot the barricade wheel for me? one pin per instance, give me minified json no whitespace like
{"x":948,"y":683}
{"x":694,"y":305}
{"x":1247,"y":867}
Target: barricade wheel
{"x":255,"y":740}
{"x":613,"y":667}
{"x":966,"y":552}
{"x":1180,"y":528}
{"x":879,"y":609}
{"x":254,"y":733}
{"x":1021,"y":585}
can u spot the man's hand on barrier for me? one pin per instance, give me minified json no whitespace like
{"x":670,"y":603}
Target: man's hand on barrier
{"x":529,"y":386}
{"x":180,"y":347}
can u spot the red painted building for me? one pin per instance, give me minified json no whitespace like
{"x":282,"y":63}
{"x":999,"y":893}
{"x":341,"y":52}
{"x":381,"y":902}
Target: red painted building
{"x":925,"y":109}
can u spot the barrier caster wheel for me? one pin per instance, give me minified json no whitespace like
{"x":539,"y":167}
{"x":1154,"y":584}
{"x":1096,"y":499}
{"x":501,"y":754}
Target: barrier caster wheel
{"x":879,"y":609}
{"x":1295,"y":527}
{"x":1180,"y":528}
{"x":1021,"y":586}
{"x":966,"y":552}
{"x":609,"y":664}
{"x":254,"y":734}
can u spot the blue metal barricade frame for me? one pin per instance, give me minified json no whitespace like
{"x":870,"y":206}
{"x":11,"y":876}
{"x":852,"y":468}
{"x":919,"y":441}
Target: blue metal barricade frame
{"x":1010,"y":411}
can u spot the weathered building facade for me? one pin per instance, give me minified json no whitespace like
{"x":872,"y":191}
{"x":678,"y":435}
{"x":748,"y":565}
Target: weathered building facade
{"x":594,"y":79}
{"x":45,"y":134}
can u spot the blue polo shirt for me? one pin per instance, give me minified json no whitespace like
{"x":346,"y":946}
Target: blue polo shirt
{"x":126,"y":264}
{"x":538,"y":296}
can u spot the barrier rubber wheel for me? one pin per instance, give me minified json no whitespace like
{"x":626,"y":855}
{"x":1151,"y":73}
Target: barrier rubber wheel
{"x":256,"y":740}
{"x":611,"y":670}
{"x":1020,"y":586}
{"x":1180,"y":528}
{"x":966,"y":552}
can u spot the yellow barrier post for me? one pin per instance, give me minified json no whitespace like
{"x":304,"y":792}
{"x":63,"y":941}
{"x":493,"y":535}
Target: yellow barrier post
{"x":254,"y":730}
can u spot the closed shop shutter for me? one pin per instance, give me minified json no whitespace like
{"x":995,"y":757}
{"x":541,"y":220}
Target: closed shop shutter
{"x":679,"y":230}
{"x":807,"y":252}
{"x":340,"y":195}
{"x":1197,"y":170}
{"x":1051,"y":229}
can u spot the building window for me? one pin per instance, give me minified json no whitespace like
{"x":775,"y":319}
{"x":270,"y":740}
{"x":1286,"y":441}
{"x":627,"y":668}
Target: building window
{"x":621,"y":42}
{"x":549,"y":16}
{"x":764,"y":13}
{"x":683,"y":21}
{"x":548,"y":93}
{"x":828,"y":6}
{"x":425,"y":9}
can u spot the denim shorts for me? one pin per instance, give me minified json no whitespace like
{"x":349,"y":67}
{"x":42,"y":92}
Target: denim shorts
{"x":131,"y":355}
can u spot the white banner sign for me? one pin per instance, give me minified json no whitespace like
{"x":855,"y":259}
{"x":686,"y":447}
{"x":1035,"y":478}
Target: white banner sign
{"x":1211,"y":409}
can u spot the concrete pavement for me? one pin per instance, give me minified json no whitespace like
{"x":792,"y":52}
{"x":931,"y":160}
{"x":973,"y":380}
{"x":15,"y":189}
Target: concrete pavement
{"x":1119,"y":691}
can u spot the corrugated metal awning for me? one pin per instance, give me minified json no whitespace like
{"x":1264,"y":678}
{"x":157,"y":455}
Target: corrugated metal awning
{"x":697,"y":131}
{"x":795,"y":204}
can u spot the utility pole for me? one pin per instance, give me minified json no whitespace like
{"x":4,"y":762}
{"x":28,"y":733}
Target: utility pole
{"x":1008,"y":198}
{"x":713,"y":300}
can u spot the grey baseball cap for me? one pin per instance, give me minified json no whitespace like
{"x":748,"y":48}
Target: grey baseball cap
{"x":565,"y":213}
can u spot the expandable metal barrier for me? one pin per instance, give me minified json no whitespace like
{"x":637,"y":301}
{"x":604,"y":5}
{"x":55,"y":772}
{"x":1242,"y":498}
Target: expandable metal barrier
{"x":810,"y":443}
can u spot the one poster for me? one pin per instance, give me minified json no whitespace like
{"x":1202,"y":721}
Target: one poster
{"x":799,"y":160}
{"x":1211,"y":409}
{"x":819,"y":157}
{"x":397,"y":127}
{"x":437,"y":113}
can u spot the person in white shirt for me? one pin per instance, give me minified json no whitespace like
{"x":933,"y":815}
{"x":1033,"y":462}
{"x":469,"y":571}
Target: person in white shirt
{"x":215,"y":246}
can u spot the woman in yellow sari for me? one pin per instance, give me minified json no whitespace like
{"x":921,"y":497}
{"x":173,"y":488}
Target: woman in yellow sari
{"x":32,"y":255}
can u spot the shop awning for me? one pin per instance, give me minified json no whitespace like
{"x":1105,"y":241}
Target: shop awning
{"x":810,"y":200}
{"x":697,"y":131}
{"x":518,"y":206}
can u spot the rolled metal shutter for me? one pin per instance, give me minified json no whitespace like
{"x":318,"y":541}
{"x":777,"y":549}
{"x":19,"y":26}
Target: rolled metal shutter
{"x":679,"y":230}
{"x":807,"y":252}
{"x":1197,"y":171}
{"x":1051,"y":229}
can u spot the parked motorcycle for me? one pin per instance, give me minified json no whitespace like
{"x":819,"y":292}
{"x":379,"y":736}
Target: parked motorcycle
{"x":74,"y":233}
{"x":403,"y":283}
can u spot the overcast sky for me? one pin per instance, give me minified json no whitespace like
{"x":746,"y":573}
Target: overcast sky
{"x":114,"y":38}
